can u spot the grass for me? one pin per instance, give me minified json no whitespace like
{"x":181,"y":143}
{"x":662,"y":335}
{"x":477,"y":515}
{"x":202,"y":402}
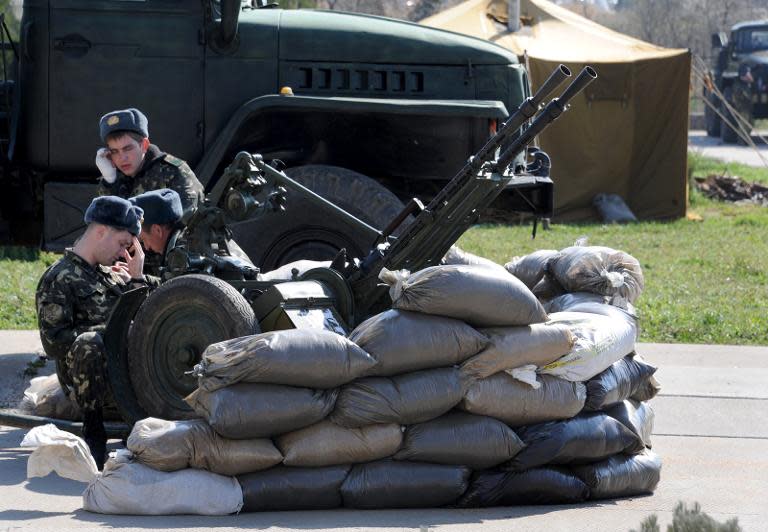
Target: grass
{"x":706,"y":279}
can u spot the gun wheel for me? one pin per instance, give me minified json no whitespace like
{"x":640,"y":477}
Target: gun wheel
{"x":173,"y":327}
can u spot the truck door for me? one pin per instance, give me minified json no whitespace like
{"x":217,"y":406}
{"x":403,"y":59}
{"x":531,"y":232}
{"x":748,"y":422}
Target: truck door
{"x":114,"y":54}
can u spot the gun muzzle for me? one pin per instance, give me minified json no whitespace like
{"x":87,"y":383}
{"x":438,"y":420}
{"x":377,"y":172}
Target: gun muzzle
{"x":585,"y":77}
{"x":560,"y":74}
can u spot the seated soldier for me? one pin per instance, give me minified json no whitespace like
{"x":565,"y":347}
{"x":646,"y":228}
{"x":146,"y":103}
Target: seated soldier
{"x":75,"y":297}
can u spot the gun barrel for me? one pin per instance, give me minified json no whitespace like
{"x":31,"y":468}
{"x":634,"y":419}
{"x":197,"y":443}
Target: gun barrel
{"x":585,"y":77}
{"x":560,"y":74}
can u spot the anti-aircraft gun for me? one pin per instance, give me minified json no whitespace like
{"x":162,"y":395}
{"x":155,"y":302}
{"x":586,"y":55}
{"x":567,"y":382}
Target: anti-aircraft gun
{"x":154,"y":339}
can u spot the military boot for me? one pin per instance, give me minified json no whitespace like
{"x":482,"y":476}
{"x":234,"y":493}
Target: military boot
{"x":95,"y":436}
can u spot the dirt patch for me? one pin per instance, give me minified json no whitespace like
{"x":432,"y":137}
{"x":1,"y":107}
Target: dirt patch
{"x":733,"y":189}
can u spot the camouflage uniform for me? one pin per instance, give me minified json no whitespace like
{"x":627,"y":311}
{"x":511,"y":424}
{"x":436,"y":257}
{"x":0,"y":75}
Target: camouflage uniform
{"x":74,"y":300}
{"x":159,"y":170}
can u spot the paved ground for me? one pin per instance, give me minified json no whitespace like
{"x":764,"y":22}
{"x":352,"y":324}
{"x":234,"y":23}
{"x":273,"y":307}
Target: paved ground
{"x":711,"y":433}
{"x":712,"y":147}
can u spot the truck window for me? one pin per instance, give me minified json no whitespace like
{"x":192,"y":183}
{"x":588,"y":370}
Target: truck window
{"x":759,"y":39}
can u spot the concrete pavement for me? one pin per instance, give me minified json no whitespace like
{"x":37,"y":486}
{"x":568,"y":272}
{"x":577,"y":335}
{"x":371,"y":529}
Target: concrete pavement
{"x":711,"y":433}
{"x":699,"y":142}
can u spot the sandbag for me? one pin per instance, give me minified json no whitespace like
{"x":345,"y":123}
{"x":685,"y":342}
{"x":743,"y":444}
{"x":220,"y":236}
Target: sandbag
{"x":173,"y":445}
{"x":621,"y":475}
{"x":600,"y":341}
{"x":577,"y":301}
{"x":46,"y":398}
{"x":293,"y":488}
{"x":599,"y":270}
{"x":512,"y":347}
{"x":388,"y":484}
{"x":613,"y":209}
{"x":296,"y":357}
{"x":478,"y":442}
{"x":286,"y":271}
{"x":246,"y":411}
{"x":406,"y":399}
{"x":516,"y":403}
{"x":587,"y":438}
{"x":637,"y":417}
{"x":403,"y":341}
{"x":531,"y":268}
{"x":535,"y":486}
{"x":456,"y":255}
{"x":547,"y":288}
{"x":622,"y":379}
{"x":647,"y":390}
{"x":326,"y":443}
{"x":479,"y":296}
{"x":132,"y":488}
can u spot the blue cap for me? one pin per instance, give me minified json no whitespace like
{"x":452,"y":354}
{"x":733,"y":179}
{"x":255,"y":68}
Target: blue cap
{"x":115,"y":212}
{"x":123,"y":120}
{"x":162,"y":206}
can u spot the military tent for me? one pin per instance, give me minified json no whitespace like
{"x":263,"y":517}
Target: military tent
{"x":626,"y":133}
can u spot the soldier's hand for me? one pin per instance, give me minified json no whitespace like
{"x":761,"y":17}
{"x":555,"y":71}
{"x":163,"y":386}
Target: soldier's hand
{"x":134,"y":259}
{"x":105,"y":165}
{"x":121,"y":269}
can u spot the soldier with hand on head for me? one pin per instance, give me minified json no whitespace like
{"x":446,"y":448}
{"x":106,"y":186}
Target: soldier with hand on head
{"x":130,"y":164}
{"x":74,"y":299}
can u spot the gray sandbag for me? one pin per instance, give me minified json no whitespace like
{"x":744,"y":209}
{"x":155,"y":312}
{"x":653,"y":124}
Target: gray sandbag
{"x":565,"y":301}
{"x":531,"y":268}
{"x":621,"y":475}
{"x":326,"y":443}
{"x":600,"y":270}
{"x":513,"y":347}
{"x":479,"y":296}
{"x":388,"y":484}
{"x":546,"y":485}
{"x":587,"y":438}
{"x":296,"y":357}
{"x":648,"y":390}
{"x":622,"y":379}
{"x":637,"y":417}
{"x":286,"y":271}
{"x":45,"y":397}
{"x":478,"y":442}
{"x":547,"y":288}
{"x":403,"y":341}
{"x":405,"y":400}
{"x":456,"y":255}
{"x":516,"y":403}
{"x":244,"y":411}
{"x":131,"y":488}
{"x":173,"y":445}
{"x":293,"y":488}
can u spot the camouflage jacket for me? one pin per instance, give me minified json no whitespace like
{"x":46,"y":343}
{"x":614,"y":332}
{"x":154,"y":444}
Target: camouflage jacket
{"x":74,"y":297}
{"x":159,"y":170}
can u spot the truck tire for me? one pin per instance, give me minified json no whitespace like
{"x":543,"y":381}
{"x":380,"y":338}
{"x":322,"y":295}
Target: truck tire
{"x":711,"y":118}
{"x":173,"y":327}
{"x":728,"y":134}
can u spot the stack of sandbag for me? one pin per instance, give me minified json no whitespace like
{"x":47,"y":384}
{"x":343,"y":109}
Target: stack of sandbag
{"x":45,"y":397}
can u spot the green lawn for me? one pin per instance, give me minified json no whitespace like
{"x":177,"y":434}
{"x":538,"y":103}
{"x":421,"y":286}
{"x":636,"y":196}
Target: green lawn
{"x":706,"y":280}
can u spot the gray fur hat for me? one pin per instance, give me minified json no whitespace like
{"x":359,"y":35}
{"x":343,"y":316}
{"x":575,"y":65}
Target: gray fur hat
{"x":162,"y":206}
{"x":123,"y":120}
{"x":115,"y":212}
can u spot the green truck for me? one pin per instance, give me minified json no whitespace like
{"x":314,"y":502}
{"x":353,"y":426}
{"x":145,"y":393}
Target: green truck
{"x":740,"y":74}
{"x":380,"y":109}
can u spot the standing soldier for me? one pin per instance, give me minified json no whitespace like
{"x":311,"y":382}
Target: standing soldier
{"x":75,"y":297}
{"x":130,"y":165}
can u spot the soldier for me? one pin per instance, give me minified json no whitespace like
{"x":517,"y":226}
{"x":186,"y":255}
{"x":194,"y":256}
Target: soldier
{"x":75,"y":296}
{"x":130,"y":165}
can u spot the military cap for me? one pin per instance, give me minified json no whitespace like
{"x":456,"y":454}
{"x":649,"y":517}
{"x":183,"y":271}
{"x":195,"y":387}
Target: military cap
{"x":123,"y":120}
{"x":162,"y":206}
{"x":115,"y":212}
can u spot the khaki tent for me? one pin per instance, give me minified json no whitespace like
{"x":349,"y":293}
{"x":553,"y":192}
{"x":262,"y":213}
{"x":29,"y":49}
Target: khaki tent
{"x":626,"y":133}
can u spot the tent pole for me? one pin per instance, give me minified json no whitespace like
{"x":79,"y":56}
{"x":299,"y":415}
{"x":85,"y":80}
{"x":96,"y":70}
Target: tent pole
{"x":513,"y":15}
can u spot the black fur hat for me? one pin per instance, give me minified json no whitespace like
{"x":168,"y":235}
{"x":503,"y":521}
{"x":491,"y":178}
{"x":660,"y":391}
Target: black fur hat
{"x":115,"y":212}
{"x":123,"y":120}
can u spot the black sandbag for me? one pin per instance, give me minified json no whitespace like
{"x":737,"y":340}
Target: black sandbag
{"x":587,"y":438}
{"x":621,"y":475}
{"x":622,"y":379}
{"x":516,"y":403}
{"x":648,"y":390}
{"x":637,"y":417}
{"x":293,"y":488}
{"x":457,"y":438}
{"x":403,"y":341}
{"x":547,"y":288}
{"x":544,"y":485}
{"x":308,"y":358}
{"x":530,"y":269}
{"x":247,"y":411}
{"x":406,"y":399}
{"x":388,"y":484}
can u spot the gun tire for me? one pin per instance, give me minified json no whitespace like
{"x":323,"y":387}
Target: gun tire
{"x":173,"y":327}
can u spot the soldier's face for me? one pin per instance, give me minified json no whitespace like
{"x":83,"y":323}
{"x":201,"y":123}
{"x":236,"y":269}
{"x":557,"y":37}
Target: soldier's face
{"x":154,"y":237}
{"x":112,"y":245}
{"x":127,"y":153}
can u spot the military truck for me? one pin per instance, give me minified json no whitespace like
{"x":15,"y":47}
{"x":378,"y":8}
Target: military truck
{"x":740,"y":74}
{"x":380,"y":108}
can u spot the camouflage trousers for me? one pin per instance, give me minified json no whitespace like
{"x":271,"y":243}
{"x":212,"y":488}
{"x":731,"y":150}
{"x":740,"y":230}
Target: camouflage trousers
{"x":87,"y":365}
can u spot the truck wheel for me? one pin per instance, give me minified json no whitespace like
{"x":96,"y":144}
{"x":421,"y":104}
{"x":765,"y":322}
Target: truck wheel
{"x":728,"y":134}
{"x":173,"y":327}
{"x":711,"y":118}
